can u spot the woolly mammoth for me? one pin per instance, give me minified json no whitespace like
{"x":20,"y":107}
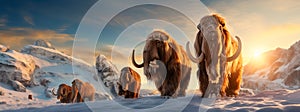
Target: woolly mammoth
{"x":63,"y":93}
{"x":129,"y":83}
{"x":165,"y":63}
{"x":219,"y":58}
{"x":84,"y":89}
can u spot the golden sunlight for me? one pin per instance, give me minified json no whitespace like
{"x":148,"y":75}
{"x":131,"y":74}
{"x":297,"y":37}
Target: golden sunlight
{"x":257,"y":53}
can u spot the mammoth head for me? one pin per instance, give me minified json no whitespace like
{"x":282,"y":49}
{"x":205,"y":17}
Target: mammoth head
{"x":62,"y":91}
{"x":211,"y":44}
{"x":159,"y":49}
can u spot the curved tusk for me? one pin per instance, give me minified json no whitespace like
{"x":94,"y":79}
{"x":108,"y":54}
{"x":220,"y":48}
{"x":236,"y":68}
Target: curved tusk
{"x":196,"y":60}
{"x":237,"y":53}
{"x":133,"y":61}
{"x":53,"y":92}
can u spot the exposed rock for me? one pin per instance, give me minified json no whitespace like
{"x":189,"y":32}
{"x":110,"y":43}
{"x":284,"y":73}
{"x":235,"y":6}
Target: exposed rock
{"x":3,"y":102}
{"x":108,"y":73}
{"x":43,"y":43}
{"x":47,"y":54}
{"x":48,"y":92}
{"x":293,"y":79}
{"x":45,"y":82}
{"x":2,"y":93}
{"x":30,"y":97}
{"x":277,"y":69}
{"x":16,"y":66}
{"x":18,"y":86}
{"x":3,"y":48}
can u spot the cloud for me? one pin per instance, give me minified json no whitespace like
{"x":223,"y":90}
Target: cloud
{"x":16,"y":38}
{"x":62,"y":28}
{"x":29,"y":20}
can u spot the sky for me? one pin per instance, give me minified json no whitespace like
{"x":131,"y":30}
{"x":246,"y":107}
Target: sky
{"x":261,"y":25}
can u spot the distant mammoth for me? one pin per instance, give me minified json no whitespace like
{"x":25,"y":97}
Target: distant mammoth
{"x":129,"y":83}
{"x":219,"y":57}
{"x":63,"y":93}
{"x":165,"y":62}
{"x":84,"y":89}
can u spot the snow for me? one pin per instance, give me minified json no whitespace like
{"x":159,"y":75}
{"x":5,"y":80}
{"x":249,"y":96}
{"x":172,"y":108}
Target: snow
{"x":16,"y":66}
{"x":279,"y":100}
{"x":108,"y":74}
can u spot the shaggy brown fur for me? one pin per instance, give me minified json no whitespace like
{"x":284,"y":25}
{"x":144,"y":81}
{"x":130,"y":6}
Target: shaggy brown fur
{"x":82,"y":90}
{"x":130,"y":79}
{"x":64,"y":93}
{"x":161,"y":46}
{"x":233,"y":70}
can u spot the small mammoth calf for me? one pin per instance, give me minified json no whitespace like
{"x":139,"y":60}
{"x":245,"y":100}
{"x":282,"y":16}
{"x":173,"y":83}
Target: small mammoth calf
{"x":129,"y":83}
{"x":63,"y":93}
{"x":83,"y":89}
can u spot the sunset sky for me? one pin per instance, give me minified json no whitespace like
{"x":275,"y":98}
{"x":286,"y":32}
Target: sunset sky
{"x":262,"y":25}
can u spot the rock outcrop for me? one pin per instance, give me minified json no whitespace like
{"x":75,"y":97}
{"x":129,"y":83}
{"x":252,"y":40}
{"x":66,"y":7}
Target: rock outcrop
{"x":15,"y":66}
{"x":107,"y":73}
{"x":276,"y":69}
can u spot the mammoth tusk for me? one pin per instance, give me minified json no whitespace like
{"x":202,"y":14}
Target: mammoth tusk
{"x":134,"y":63}
{"x":53,"y":92}
{"x":196,"y":60}
{"x":237,"y":53}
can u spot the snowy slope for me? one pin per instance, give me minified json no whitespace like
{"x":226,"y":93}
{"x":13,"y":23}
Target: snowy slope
{"x":276,"y":69}
{"x":16,"y":66}
{"x":270,"y":101}
{"x":45,"y":68}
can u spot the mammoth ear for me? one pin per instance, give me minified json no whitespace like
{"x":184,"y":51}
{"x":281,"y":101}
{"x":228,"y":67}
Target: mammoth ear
{"x":198,"y":43}
{"x":172,"y":53}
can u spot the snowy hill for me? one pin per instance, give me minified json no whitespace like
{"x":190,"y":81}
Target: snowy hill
{"x":276,"y":69}
{"x":15,"y":66}
{"x":39,"y":68}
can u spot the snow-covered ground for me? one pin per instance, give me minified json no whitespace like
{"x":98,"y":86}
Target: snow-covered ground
{"x":271,"y":101}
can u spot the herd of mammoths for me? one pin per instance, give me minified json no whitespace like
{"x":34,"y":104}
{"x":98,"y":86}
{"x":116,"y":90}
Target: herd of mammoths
{"x":167,"y":64}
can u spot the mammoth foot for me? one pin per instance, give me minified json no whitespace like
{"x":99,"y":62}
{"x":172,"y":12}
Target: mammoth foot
{"x":231,"y":94}
{"x":212,"y":91}
{"x":181,"y":94}
{"x":167,"y":97}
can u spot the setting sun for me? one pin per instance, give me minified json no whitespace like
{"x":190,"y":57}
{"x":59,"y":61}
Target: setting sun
{"x":257,"y":53}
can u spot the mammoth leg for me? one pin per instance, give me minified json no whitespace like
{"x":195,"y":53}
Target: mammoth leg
{"x":136,"y":95}
{"x":224,"y":85}
{"x":137,"y":90}
{"x":79,"y":98}
{"x":129,"y":94}
{"x":172,"y":80}
{"x":235,"y":80}
{"x":184,"y":83}
{"x":74,"y":93}
{"x":203,"y":78}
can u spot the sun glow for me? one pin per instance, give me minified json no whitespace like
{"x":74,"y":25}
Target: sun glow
{"x":257,"y":53}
